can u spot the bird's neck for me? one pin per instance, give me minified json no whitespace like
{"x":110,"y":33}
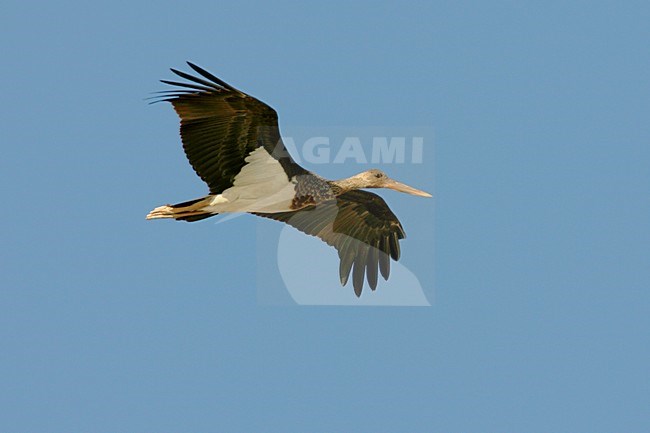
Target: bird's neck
{"x":342,"y":186}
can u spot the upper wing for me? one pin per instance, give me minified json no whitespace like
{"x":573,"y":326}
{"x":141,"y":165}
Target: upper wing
{"x":360,"y":225}
{"x":221,"y":126}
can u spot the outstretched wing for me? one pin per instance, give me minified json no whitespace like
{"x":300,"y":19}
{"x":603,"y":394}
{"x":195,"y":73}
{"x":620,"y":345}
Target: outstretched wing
{"x":360,"y":225}
{"x":221,"y":126}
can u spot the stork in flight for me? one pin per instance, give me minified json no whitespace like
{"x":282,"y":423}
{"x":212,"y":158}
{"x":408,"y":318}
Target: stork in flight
{"x":233,"y":143}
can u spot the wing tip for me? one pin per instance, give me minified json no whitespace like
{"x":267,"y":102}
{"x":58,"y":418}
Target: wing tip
{"x":358,"y":288}
{"x":211,"y":77}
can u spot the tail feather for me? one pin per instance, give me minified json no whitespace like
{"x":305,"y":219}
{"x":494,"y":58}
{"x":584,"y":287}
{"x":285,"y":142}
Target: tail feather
{"x":193,"y":218}
{"x":189,"y":211}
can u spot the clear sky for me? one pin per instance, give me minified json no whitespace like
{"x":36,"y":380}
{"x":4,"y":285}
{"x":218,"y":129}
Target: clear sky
{"x":535,"y":261}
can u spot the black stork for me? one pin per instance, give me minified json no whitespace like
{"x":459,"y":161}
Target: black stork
{"x":233,"y":142}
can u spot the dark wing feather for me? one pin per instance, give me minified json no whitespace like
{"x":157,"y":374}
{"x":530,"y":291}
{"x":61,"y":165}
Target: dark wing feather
{"x":221,"y":126}
{"x":360,"y":225}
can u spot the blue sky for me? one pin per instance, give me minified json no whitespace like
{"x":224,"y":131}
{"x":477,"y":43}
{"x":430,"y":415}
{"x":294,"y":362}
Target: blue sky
{"x":533,"y":252}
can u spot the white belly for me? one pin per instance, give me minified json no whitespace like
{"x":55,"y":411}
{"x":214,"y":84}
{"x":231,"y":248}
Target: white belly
{"x":248,"y":200}
{"x":261,"y":186}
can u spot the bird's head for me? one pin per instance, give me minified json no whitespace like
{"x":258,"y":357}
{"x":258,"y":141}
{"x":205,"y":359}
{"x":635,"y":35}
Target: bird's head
{"x":378,"y":179}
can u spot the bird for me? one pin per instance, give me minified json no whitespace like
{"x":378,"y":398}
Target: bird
{"x":232,"y":140}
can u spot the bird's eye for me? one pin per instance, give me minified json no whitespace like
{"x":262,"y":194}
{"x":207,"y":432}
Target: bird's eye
{"x":379,"y":175}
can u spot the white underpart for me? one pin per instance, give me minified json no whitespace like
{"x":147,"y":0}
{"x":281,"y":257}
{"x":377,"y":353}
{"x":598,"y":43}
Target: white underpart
{"x":261,"y":186}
